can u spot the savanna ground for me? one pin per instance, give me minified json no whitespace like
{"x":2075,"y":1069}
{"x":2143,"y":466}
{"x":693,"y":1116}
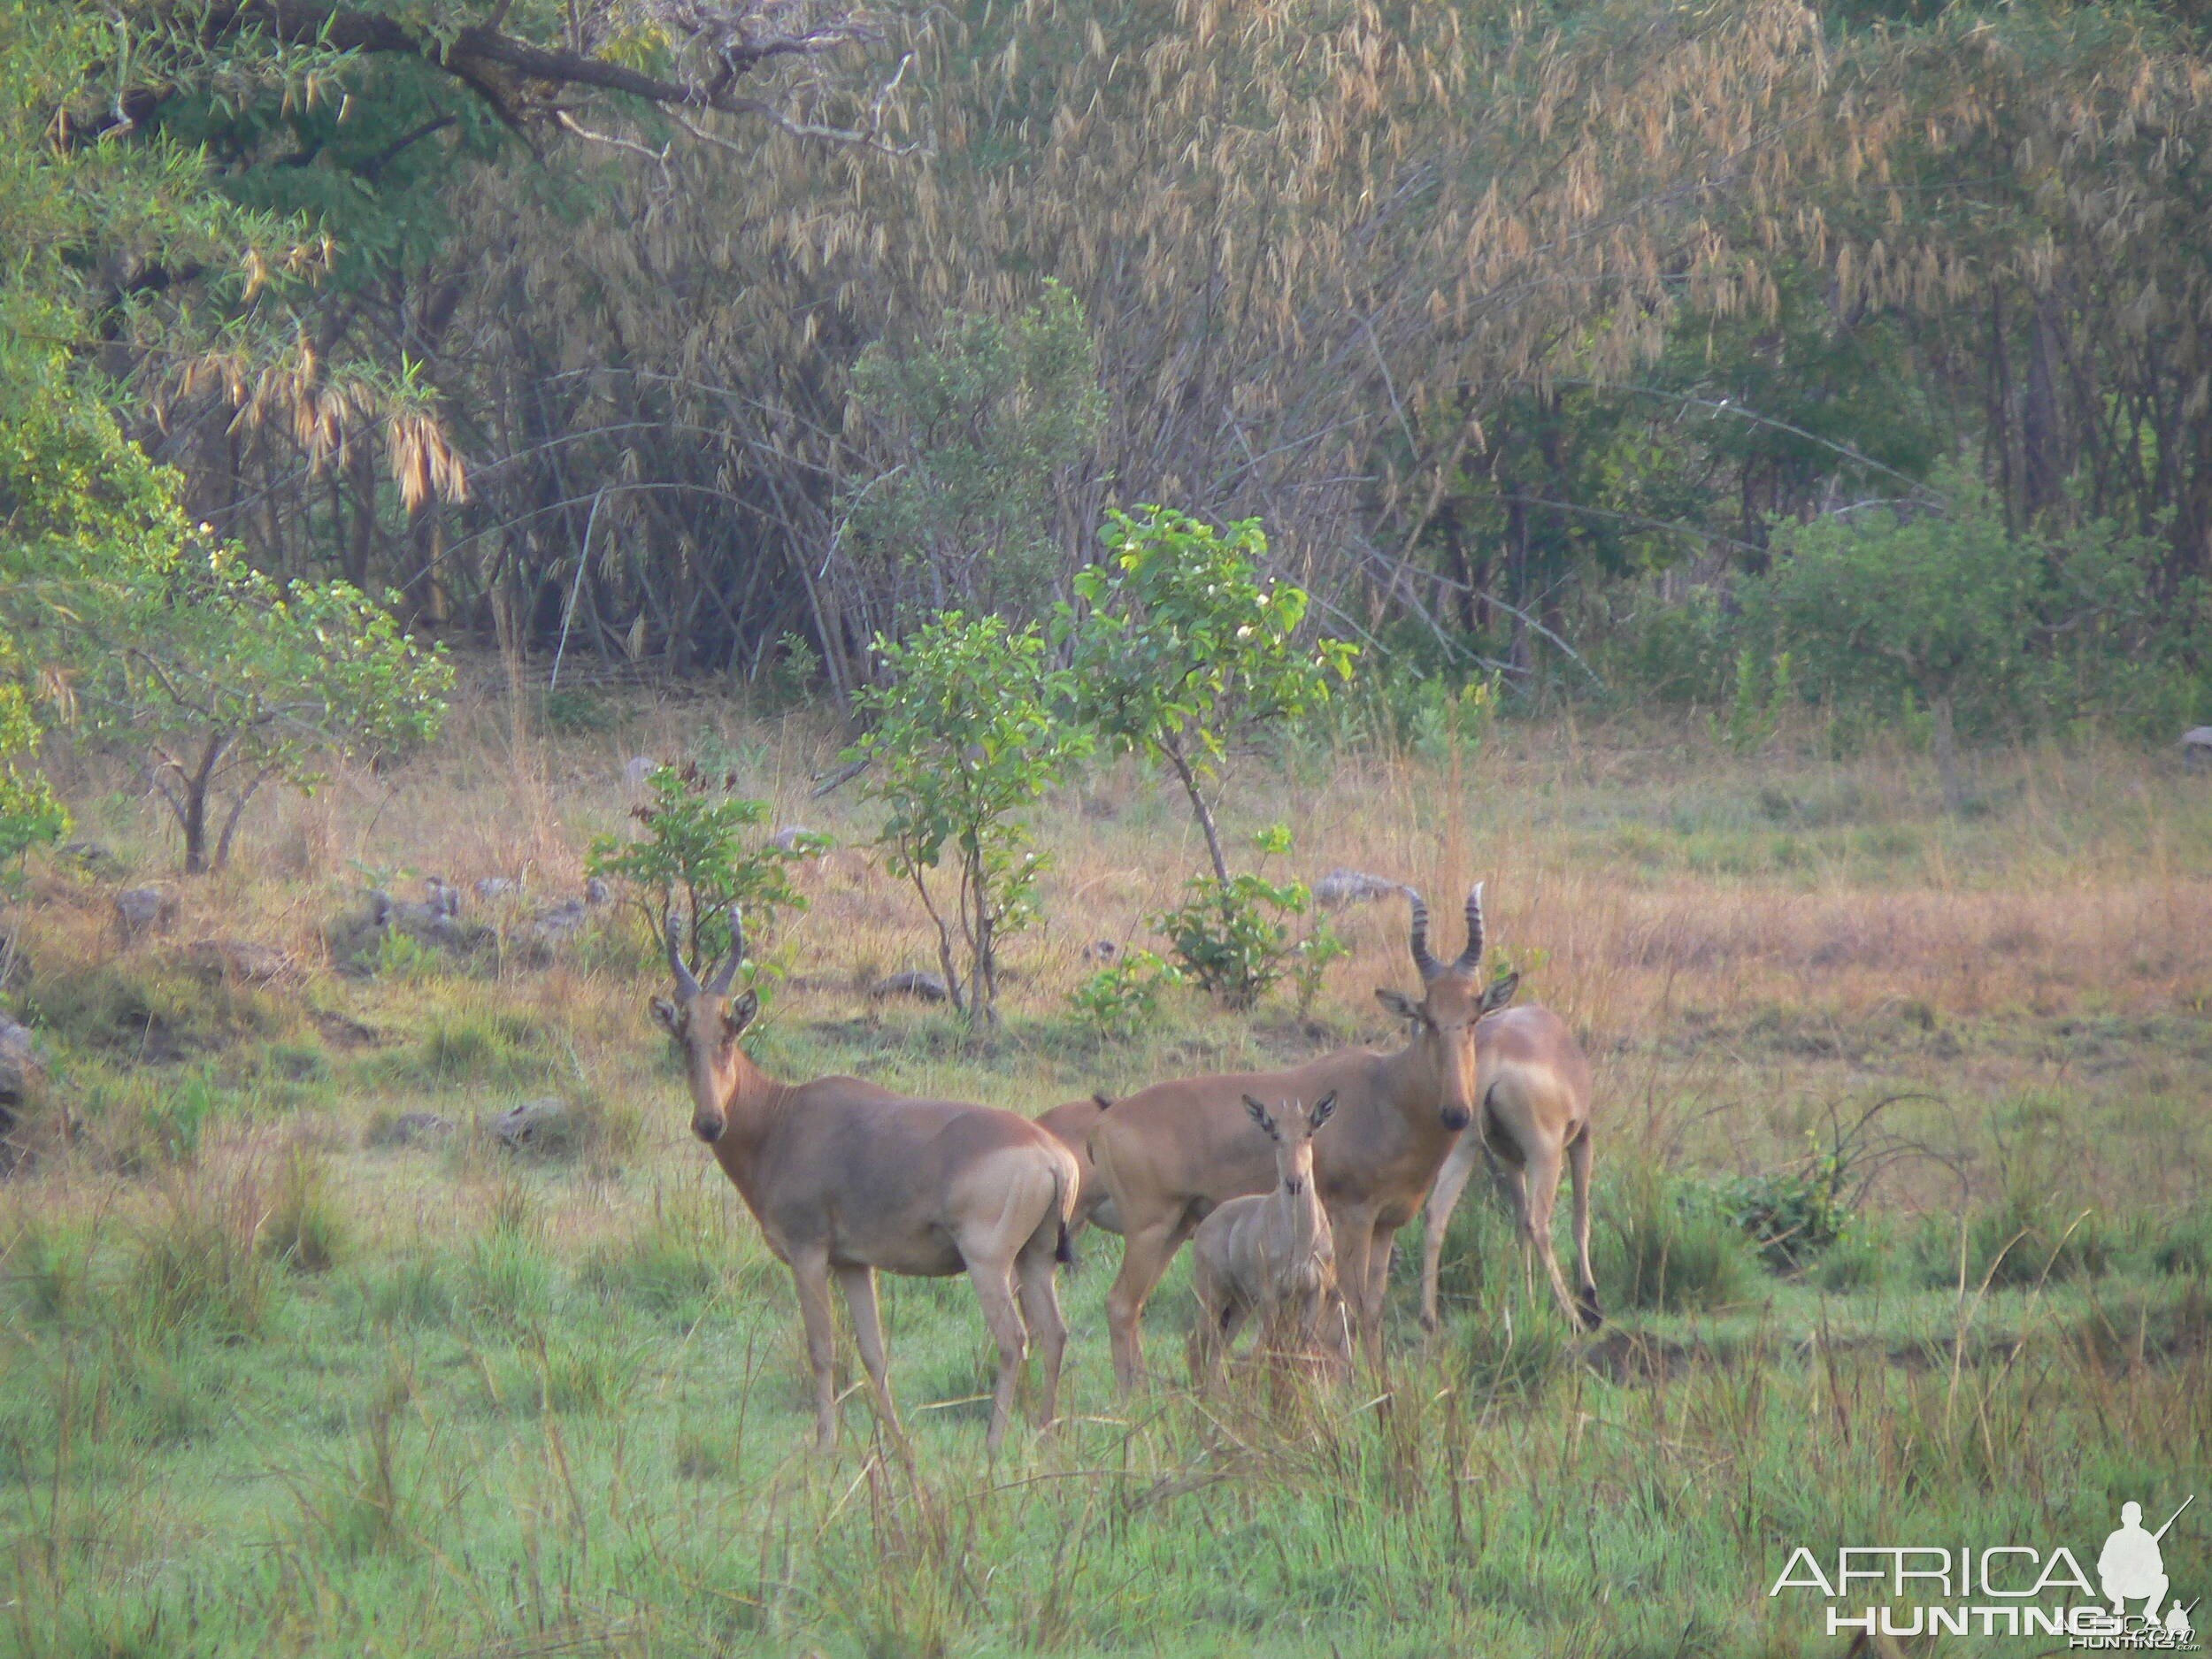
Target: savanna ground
{"x":276,"y":1381}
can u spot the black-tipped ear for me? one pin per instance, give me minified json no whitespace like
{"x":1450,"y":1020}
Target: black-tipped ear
{"x":1399,"y":1003}
{"x":743,"y":1009}
{"x":1321,"y":1107}
{"x":1499,"y":993}
{"x":1258,"y":1109}
{"x":1102,"y":1099}
{"x":668,"y":1017}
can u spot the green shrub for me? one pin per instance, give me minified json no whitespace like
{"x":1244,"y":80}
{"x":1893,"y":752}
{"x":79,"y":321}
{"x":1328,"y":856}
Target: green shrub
{"x":1235,"y":939}
{"x":1124,"y":996}
{"x":1667,"y":1245}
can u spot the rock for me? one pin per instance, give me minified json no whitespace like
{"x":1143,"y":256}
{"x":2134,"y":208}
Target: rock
{"x":95,"y":857}
{"x":236,"y":961}
{"x":140,"y":909}
{"x":493,"y":888}
{"x":635,"y":775}
{"x":355,"y":940}
{"x":925,"y":986}
{"x":1100,"y":950}
{"x":410,"y":1129}
{"x":1342,"y":885}
{"x":440,"y":895}
{"x":2196,"y":745}
{"x":545,"y":1127}
{"x":793,"y":838}
{"x":558,"y":922}
{"x":22,"y":1069}
{"x":597,"y":891}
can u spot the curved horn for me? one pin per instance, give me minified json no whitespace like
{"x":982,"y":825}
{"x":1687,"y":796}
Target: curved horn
{"x":1429,"y":965}
{"x":686,"y":981}
{"x":719,"y":985}
{"x":1471,"y":958}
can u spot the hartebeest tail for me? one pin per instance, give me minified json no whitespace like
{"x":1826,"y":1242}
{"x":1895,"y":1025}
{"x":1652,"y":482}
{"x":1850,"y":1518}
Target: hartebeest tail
{"x":1170,"y":1153}
{"x":1072,"y":1124}
{"x":847,"y":1179}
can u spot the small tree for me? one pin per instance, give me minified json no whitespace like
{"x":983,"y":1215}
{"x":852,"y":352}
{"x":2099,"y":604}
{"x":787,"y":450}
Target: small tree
{"x":694,"y":852}
{"x":232,"y":680}
{"x":1181,"y":648}
{"x":30,"y":815}
{"x":967,"y":738}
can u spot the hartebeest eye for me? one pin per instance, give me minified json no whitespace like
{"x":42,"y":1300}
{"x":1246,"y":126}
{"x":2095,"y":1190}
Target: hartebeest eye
{"x":668,"y":1017}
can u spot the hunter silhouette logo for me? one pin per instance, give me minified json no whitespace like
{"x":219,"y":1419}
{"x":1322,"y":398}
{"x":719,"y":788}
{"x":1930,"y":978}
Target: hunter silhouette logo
{"x":2008,"y":1590}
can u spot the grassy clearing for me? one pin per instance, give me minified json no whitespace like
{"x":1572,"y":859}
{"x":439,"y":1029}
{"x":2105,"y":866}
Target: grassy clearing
{"x":282,"y":1374}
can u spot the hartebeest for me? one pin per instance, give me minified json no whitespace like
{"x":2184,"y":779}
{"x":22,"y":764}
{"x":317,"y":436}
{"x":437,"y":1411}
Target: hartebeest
{"x":846,"y":1177}
{"x":1269,"y":1254}
{"x":1534,"y":1085}
{"x":1170,"y":1153}
{"x":1071,"y":1123}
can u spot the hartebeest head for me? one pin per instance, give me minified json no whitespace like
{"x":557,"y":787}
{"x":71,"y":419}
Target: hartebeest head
{"x":1453,"y":999}
{"x":706,"y":1023}
{"x":1291,"y":1128}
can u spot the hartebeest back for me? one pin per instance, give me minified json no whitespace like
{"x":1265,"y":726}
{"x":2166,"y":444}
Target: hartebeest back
{"x":1170,"y":1153}
{"x":1534,"y":1084}
{"x":1270,"y":1257}
{"x":846,"y":1177}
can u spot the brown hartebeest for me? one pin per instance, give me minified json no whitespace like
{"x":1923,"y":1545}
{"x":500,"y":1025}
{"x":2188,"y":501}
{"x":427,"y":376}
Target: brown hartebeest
{"x":1170,"y":1153}
{"x":1534,"y":1084}
{"x":846,"y":1177}
{"x":1072,"y":1123}
{"x":1269,"y":1254}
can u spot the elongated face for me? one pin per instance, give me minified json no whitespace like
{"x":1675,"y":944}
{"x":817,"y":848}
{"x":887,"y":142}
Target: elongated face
{"x":1454,"y":1001}
{"x":1292,"y":1127}
{"x":706,"y":1026}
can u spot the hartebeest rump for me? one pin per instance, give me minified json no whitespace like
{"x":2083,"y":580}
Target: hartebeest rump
{"x":1170,"y":1153}
{"x":1072,"y":1124}
{"x":1534,"y":1085}
{"x":847,"y":1178}
{"x":1270,"y":1255}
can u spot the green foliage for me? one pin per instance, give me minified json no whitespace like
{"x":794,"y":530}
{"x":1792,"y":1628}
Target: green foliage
{"x":1667,"y":1245}
{"x":694,"y":850}
{"x":31,"y":815}
{"x":967,"y":738}
{"x":1121,"y":998}
{"x":306,"y":1228}
{"x":971,"y":430}
{"x":1237,"y":938}
{"x":1755,"y":710}
{"x":1792,"y":1216}
{"x":1181,"y":647}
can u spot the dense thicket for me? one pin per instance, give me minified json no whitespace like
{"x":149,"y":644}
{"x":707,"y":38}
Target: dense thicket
{"x":1519,"y":329}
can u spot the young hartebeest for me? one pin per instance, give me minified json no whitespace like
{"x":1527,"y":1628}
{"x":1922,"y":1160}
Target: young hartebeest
{"x":1170,"y":1153}
{"x":846,"y":1177}
{"x":1535,"y":1091}
{"x":1269,"y":1254}
{"x":1072,"y":1124}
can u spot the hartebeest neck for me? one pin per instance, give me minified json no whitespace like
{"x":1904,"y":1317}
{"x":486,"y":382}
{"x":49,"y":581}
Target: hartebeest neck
{"x":1414,"y":1085}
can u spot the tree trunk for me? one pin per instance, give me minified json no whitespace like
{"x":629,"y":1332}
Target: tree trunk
{"x":1198,"y":805}
{"x":1946,"y":745}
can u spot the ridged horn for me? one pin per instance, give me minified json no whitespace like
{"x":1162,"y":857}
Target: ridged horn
{"x":1471,"y":958}
{"x":1429,"y":965}
{"x":726,"y":974}
{"x":686,"y":981}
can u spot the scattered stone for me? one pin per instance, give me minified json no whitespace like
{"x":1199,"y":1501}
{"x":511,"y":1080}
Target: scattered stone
{"x":1100,"y":950}
{"x":443,"y":897}
{"x":1353,"y":886}
{"x":22,"y":1070}
{"x":138,"y":910}
{"x":97,"y":857}
{"x":597,"y":891}
{"x":926,"y":987}
{"x":356,"y":939}
{"x":640,"y":768}
{"x":410,"y":1129}
{"x":2196,"y":746}
{"x":491,"y":889}
{"x":794,"y":838}
{"x":544,"y":1127}
{"x":236,"y":961}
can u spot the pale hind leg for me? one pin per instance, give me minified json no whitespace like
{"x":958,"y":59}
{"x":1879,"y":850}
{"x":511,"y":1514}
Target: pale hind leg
{"x":1542,"y":1177}
{"x":1578,"y":1169}
{"x":1040,"y":1311}
{"x":993,"y":1282}
{"x":1451,"y":1181}
{"x":859,"y":1285}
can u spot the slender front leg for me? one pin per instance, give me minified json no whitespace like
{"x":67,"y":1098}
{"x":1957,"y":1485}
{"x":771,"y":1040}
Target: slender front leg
{"x":859,"y":1285}
{"x":1354,"y":1231}
{"x":1384,"y":1246}
{"x":1451,"y":1181}
{"x":994,"y":1284}
{"x":1543,"y":1193}
{"x":1144,"y":1260}
{"x":1048,"y":1326}
{"x":811,"y":1273}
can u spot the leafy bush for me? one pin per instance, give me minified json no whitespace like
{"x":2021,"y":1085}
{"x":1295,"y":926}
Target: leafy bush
{"x":1123,"y":997}
{"x":1235,"y":939}
{"x":1790,"y":1216}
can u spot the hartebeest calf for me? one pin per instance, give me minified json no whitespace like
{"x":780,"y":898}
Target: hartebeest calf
{"x":1170,"y":1153}
{"x":1534,"y":1085}
{"x":846,"y":1177}
{"x":1269,"y":1254}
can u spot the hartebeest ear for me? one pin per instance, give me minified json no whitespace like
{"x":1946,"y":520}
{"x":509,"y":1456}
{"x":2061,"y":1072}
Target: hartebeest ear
{"x":1399,"y":1003}
{"x":1499,"y":993}
{"x":1321,"y":1107}
{"x":743,"y":1009}
{"x":668,"y":1017}
{"x":1258,"y":1109}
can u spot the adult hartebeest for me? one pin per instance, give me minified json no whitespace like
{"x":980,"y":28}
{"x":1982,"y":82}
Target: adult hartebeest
{"x":1170,"y":1153}
{"x":846,"y":1177}
{"x":1535,"y":1091}
{"x":1071,"y":1123}
{"x":1269,"y":1254}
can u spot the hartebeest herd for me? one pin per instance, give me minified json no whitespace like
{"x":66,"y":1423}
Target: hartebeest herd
{"x":1293,"y":1183}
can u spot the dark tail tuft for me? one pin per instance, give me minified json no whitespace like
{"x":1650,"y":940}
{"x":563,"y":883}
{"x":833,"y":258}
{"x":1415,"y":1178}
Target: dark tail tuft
{"x":1063,"y":1252}
{"x":1102,"y":1098}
